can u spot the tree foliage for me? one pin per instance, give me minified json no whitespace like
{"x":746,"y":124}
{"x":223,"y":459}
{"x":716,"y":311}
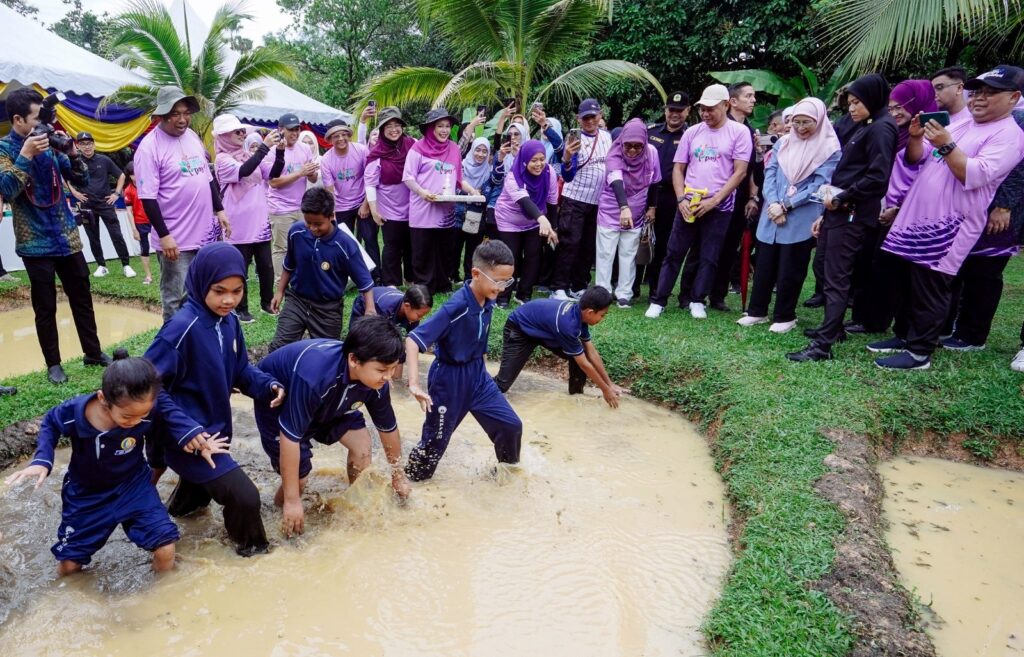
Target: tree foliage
{"x":23,"y":7}
{"x":85,"y":28}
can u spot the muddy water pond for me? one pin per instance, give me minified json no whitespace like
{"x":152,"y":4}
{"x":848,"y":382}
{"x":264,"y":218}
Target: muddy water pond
{"x":609,"y":540}
{"x":19,"y":347}
{"x":957,"y":535}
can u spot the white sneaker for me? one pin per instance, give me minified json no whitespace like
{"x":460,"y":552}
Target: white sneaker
{"x":576,"y":295}
{"x":560,"y":295}
{"x":782,"y":327}
{"x":129,"y":272}
{"x":654,"y":311}
{"x":750,"y":320}
{"x":101,"y":272}
{"x":1017,"y":364}
{"x":697,"y":311}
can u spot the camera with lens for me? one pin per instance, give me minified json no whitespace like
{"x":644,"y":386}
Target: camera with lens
{"x":47,"y":115}
{"x":767,"y":140}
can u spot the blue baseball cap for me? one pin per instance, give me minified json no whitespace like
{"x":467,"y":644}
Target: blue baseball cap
{"x":588,"y":107}
{"x":1002,"y":77}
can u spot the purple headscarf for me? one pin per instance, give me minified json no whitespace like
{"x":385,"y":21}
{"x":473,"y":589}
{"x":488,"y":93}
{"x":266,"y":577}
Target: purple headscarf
{"x":915,"y":96}
{"x":392,"y":156}
{"x":636,"y":171}
{"x":536,"y":186}
{"x":444,"y":151}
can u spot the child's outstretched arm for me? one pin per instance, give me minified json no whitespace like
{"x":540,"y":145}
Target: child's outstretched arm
{"x":412,"y":368}
{"x":46,"y":445}
{"x":594,"y":369}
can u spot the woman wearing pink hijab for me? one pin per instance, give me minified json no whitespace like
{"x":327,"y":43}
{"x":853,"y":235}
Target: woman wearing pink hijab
{"x":432,"y":169}
{"x":801,"y":162}
{"x":243,"y":170}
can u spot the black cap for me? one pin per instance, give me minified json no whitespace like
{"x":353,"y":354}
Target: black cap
{"x":84,"y":136}
{"x":588,"y":107}
{"x":289,"y":121}
{"x":1002,"y":77}
{"x":435,"y":115}
{"x":678,"y":100}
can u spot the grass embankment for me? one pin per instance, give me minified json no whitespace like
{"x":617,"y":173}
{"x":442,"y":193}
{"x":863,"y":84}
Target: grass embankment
{"x":766,"y":416}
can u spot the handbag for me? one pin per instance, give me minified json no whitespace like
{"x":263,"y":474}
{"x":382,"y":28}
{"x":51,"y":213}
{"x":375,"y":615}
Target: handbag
{"x":645,"y":250}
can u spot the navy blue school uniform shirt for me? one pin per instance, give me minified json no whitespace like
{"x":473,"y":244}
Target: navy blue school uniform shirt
{"x":319,"y":389}
{"x":100,"y":460}
{"x":200,"y":357}
{"x":321,"y":267}
{"x":459,"y":329}
{"x":557,"y":324}
{"x":387,"y":301}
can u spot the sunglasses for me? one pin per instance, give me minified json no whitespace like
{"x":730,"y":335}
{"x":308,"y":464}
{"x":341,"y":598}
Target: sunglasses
{"x":501,"y":285}
{"x":241,"y":132}
{"x":632,"y":146}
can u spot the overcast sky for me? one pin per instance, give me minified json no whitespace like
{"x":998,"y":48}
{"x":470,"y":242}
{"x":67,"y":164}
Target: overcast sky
{"x":267,"y":16}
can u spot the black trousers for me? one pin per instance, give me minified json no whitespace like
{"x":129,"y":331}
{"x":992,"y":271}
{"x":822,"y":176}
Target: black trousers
{"x":872,"y":284}
{"x":526,"y":248}
{"x":842,"y":240}
{"x":516,"y":349}
{"x":366,"y":231}
{"x":975,"y":295}
{"x":396,"y":260}
{"x":784,"y":268}
{"x":577,"y":245}
{"x":729,"y":257}
{"x":430,"y":249}
{"x":74,"y":278}
{"x":240,"y":499}
{"x":106,"y":214}
{"x":664,"y":215}
{"x":818,"y":267}
{"x":261,"y":253}
{"x":922,"y":299}
{"x":709,"y":230}
{"x":321,"y":319}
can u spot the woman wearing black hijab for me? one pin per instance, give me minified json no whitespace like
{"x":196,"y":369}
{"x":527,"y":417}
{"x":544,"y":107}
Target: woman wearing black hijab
{"x":863,"y":175}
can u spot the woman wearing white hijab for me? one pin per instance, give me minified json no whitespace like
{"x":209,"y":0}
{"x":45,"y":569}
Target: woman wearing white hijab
{"x":309,"y":139}
{"x":476,"y":170}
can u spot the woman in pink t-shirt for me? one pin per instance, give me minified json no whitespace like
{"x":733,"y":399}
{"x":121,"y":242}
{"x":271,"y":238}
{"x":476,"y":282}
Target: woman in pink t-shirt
{"x":432,"y":169}
{"x":243,"y":171}
{"x":523,"y":212}
{"x":388,"y":196}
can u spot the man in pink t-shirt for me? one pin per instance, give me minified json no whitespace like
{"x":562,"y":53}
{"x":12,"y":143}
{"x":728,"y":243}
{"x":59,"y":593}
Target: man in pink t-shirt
{"x":710,"y":163}
{"x":341,"y":170}
{"x":294,"y":165}
{"x":178,"y":192}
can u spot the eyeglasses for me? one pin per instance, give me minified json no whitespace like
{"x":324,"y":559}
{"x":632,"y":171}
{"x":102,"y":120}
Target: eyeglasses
{"x":803,"y":124}
{"x":987,"y":92}
{"x":940,"y":86}
{"x":241,"y":132}
{"x":897,"y":109}
{"x":632,"y":146}
{"x":501,"y":285}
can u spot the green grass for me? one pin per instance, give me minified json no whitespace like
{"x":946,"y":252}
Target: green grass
{"x":768,"y":415}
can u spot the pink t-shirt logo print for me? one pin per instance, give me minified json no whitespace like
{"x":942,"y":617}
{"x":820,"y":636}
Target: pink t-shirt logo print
{"x":192,"y":166}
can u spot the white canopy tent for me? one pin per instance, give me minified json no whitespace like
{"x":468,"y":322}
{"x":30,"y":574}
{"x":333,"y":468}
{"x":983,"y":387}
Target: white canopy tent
{"x":278,"y":97}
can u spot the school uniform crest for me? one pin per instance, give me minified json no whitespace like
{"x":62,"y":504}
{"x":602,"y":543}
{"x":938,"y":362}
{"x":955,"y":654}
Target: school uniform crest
{"x":326,"y":266}
{"x":127,"y":445}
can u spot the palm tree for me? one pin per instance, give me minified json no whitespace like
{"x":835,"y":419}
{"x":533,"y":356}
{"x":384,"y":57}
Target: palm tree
{"x":866,"y":34}
{"x":509,"y":48}
{"x":146,"y":39}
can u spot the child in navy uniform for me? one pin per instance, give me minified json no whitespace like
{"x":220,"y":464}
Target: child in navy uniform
{"x":200,"y":355}
{"x":328,"y":384}
{"x":403,"y":309}
{"x":108,"y":480}
{"x":458,"y":382}
{"x":317,"y":266}
{"x":563,"y":328}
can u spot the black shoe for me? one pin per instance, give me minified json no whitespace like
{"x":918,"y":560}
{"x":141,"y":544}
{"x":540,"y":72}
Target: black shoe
{"x":56,"y":374}
{"x":102,"y":360}
{"x":246,"y":318}
{"x":623,"y":303}
{"x":718,"y":304}
{"x":854,"y":327}
{"x":811,"y":352}
{"x":502,"y":303}
{"x":815,"y":301}
{"x":252,"y":550}
{"x":8,"y":390}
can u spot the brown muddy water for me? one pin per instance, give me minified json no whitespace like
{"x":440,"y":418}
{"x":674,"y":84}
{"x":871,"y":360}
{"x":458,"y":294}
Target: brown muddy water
{"x":610,"y":539}
{"x":957,"y":536}
{"x":19,"y":347}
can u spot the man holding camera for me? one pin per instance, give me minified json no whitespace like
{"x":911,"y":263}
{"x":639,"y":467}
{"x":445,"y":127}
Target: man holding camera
{"x":178,"y":193}
{"x":32,"y":175}
{"x":294,"y":166}
{"x":97,"y":203}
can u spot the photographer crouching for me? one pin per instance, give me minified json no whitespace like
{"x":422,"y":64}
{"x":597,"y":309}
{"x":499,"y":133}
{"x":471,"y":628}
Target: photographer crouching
{"x":35,"y":160}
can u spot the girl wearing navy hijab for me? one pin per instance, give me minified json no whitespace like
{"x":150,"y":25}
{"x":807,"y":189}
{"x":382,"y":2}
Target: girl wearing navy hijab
{"x":200,"y":355}
{"x":525,"y":213}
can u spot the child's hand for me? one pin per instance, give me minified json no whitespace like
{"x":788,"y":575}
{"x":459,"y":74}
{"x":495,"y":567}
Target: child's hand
{"x":610,"y":397}
{"x":38,"y":471}
{"x":215,"y":445}
{"x":292,"y":521}
{"x":279,"y":399}
{"x":619,"y":390}
{"x":422,"y":397}
{"x":275,"y":303}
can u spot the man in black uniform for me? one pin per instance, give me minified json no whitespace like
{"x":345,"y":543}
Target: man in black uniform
{"x":98,"y":201}
{"x":665,"y":138}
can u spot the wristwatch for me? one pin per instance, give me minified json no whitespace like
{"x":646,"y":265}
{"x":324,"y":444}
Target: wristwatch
{"x":943,"y":151}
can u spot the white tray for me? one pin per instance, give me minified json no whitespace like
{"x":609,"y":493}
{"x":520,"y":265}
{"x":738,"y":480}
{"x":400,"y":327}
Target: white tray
{"x":459,"y":198}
